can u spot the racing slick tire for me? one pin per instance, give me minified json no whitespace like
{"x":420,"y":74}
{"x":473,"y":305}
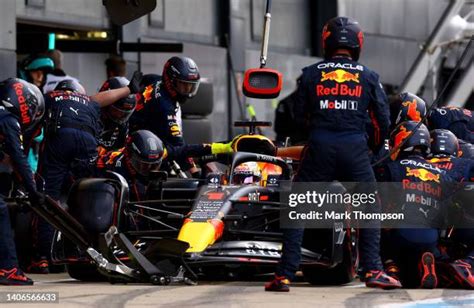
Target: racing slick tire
{"x":343,"y":272}
{"x":22,"y":226}
{"x":85,"y":272}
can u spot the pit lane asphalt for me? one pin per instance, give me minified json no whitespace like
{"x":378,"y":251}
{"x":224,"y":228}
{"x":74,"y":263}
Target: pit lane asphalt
{"x":73,"y":293}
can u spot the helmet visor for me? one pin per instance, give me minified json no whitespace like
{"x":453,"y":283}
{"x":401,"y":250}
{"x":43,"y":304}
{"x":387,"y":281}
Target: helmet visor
{"x":246,"y":173}
{"x":187,"y":88}
{"x":120,"y":115}
{"x":144,"y":167}
{"x":245,"y":179}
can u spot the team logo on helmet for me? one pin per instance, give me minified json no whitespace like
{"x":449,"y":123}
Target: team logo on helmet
{"x":326,"y":34}
{"x":360,"y":37}
{"x":401,"y":135}
{"x":24,"y":109}
{"x":412,"y":112}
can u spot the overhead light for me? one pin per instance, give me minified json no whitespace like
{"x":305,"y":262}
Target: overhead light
{"x":60,"y":36}
{"x":97,"y":34}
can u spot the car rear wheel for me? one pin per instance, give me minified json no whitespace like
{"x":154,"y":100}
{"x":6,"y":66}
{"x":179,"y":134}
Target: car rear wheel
{"x":85,"y":272}
{"x":343,"y":272}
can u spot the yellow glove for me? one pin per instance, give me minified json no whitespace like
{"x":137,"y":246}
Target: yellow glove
{"x":222,"y":148}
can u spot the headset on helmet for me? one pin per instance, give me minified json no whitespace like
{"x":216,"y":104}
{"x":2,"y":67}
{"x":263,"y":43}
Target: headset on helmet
{"x":444,"y":142}
{"x":70,"y":85}
{"x":145,"y":151}
{"x":342,"y":33}
{"x":22,"y":99}
{"x":407,"y":107}
{"x":419,"y":139}
{"x":181,"y":77}
{"x":120,"y":111}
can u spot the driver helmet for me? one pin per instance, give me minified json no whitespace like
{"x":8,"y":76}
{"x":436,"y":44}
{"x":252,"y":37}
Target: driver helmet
{"x":247,"y":173}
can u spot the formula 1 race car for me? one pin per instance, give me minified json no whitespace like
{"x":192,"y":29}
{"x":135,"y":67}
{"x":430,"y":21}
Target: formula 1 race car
{"x":230,"y":222}
{"x":186,"y":227}
{"x":234,"y":226}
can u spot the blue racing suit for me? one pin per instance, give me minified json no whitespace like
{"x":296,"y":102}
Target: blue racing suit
{"x":113,"y":135}
{"x":424,"y":198}
{"x":337,"y":97}
{"x":11,"y":145}
{"x":459,"y":169}
{"x":115,"y":161}
{"x":458,"y":120}
{"x":158,"y":112}
{"x":70,"y":146}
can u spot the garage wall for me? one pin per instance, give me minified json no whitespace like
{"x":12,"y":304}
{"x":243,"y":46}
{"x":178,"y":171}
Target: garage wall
{"x":195,"y":22}
{"x":75,"y":13}
{"x":89,"y":68}
{"x":394,"y":31}
{"x":7,"y":40}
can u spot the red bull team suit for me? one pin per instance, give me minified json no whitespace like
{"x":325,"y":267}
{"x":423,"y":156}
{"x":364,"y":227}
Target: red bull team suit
{"x":337,"y":97}
{"x":424,"y":198}
{"x":459,"y":169}
{"x":158,"y":112}
{"x":114,"y":161}
{"x":460,"y":121}
{"x":11,"y":145}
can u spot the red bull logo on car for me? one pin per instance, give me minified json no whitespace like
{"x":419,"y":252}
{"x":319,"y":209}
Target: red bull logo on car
{"x":340,"y":76}
{"x":423,"y":174}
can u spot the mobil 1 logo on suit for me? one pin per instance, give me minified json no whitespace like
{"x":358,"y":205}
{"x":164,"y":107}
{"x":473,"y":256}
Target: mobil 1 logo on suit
{"x":338,"y":104}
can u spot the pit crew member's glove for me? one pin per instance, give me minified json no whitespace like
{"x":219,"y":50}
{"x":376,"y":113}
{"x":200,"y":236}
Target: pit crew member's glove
{"x":36,"y":198}
{"x":223,"y":148}
{"x":134,"y":84}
